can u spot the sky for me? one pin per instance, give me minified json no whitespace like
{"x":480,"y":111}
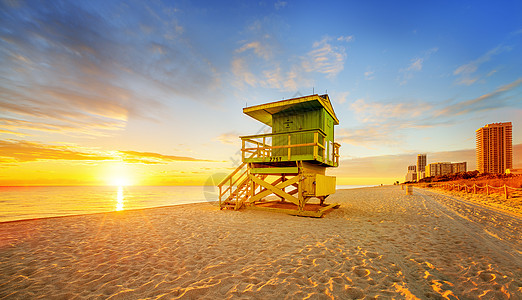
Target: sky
{"x":152,"y":92}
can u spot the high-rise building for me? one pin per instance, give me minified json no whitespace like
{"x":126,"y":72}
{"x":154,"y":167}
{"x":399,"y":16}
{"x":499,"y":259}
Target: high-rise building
{"x":494,"y":148}
{"x":412,"y":174}
{"x":421,"y":166}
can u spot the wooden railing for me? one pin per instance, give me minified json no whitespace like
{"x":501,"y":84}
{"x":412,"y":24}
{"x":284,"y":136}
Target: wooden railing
{"x":475,"y":188}
{"x":336,"y":153}
{"x":229,"y":185}
{"x":263,"y":145}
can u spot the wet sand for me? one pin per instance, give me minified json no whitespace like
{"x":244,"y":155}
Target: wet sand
{"x":380,"y":243}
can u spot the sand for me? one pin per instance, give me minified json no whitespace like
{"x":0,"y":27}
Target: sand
{"x":495,"y":200}
{"x":380,"y":243}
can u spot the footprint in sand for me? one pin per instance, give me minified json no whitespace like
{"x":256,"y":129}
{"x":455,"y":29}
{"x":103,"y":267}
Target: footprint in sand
{"x":361,"y":272}
{"x":354,"y":293}
{"x":487,"y":276}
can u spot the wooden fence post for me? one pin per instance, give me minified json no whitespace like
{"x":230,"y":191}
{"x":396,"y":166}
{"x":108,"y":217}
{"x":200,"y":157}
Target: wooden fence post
{"x":474,"y":188}
{"x":505,"y":191}
{"x":487,"y":189}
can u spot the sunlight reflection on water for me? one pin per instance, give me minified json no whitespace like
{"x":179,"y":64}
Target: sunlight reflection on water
{"x":18,"y":203}
{"x":119,"y":199}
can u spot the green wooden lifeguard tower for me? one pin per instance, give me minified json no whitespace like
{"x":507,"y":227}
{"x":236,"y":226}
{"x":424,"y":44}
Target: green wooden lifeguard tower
{"x":290,"y":162}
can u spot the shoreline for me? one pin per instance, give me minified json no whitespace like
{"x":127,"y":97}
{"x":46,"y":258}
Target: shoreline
{"x":110,"y":212}
{"x":51,"y":215}
{"x":379,"y":243}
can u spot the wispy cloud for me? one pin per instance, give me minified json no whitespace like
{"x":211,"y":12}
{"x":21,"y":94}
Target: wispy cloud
{"x":415,"y":66}
{"x":18,"y":151}
{"x":369,"y":75}
{"x":466,"y":73}
{"x":347,"y":38}
{"x":242,"y":73}
{"x":62,"y":63}
{"x":230,"y":138}
{"x":341,"y":97}
{"x":24,"y":151}
{"x":383,"y":123}
{"x":370,"y":136}
{"x":381,"y":112}
{"x":325,"y":58}
{"x":259,"y":49}
{"x":280,"y":4}
{"x":152,"y":158}
{"x":501,"y":97}
{"x":259,"y":63}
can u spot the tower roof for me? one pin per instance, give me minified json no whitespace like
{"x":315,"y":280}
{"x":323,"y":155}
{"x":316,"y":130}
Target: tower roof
{"x":263,"y":112}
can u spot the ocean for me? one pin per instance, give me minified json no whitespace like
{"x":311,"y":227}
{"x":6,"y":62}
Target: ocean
{"x":20,"y":203}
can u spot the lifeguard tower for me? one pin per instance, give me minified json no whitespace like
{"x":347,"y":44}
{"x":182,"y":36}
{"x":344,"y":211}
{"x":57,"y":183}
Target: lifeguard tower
{"x":290,"y":162}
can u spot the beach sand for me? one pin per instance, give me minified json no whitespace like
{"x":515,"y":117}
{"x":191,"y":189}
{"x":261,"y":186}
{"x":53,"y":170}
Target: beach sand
{"x":496,"y":200}
{"x":380,"y":243}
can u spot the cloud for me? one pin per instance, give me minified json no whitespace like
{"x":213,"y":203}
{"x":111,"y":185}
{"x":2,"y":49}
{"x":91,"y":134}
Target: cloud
{"x":259,"y":49}
{"x":242,"y":73}
{"x":415,"y":66}
{"x":152,"y":158}
{"x":69,"y":67}
{"x":262,"y":69}
{"x":369,"y":136}
{"x":14,"y":151}
{"x":229,"y":138}
{"x":260,"y":61}
{"x":24,"y":151}
{"x":325,"y":58}
{"x":341,"y":97}
{"x":368,"y":75}
{"x":383,"y":123}
{"x":466,"y":72}
{"x":499,"y":98}
{"x":347,"y":38}
{"x":381,"y":112}
{"x":280,"y":4}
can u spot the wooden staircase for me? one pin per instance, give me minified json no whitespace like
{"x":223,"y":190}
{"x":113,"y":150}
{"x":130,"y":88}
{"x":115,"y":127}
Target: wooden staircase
{"x":235,"y":189}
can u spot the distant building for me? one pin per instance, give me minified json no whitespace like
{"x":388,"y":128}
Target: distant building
{"x":460,"y":167}
{"x":412,"y":174}
{"x":421,"y":166}
{"x":445,"y":168}
{"x":494,"y":148}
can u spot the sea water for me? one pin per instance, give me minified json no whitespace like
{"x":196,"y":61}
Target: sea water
{"x":20,"y":203}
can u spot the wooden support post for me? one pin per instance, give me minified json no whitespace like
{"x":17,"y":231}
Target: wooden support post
{"x":219,"y":196}
{"x":252,"y":188}
{"x":264,"y":147}
{"x":283,"y":179}
{"x":289,"y":149}
{"x":300,"y":193}
{"x":243,"y":149}
{"x":316,"y":140}
{"x":505,"y":191}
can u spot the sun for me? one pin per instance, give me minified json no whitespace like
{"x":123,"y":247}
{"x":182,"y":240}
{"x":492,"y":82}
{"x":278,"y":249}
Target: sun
{"x":120,"y":181}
